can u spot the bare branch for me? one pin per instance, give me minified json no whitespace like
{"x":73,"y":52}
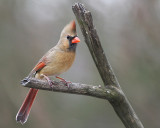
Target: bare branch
{"x":120,"y":104}
{"x":74,"y":88}
{"x":85,"y":21}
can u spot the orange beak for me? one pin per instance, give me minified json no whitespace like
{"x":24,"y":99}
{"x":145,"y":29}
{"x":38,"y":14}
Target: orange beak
{"x":76,"y":40}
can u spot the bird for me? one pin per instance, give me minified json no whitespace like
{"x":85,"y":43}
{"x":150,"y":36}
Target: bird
{"x":55,"y":62}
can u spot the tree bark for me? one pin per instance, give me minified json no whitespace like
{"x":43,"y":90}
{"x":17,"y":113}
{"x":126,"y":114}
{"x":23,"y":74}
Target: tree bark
{"x":111,"y":90}
{"x":73,"y":88}
{"x":120,"y":103}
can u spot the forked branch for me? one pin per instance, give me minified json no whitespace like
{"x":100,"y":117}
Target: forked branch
{"x":111,"y":90}
{"x":120,"y":104}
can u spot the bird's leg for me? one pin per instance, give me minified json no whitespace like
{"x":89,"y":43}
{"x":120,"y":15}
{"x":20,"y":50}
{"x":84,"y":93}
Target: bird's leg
{"x":50,"y":82}
{"x":63,"y":80}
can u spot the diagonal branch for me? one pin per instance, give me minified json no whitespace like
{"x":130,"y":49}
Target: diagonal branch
{"x":89,"y":32}
{"x":120,"y":104}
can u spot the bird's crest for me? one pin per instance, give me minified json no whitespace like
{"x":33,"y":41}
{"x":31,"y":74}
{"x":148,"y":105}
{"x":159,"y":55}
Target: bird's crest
{"x":69,"y":29}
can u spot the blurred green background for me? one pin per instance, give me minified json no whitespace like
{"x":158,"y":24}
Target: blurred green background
{"x":130,"y":35}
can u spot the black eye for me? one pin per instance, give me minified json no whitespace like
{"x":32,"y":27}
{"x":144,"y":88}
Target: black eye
{"x":68,"y":37}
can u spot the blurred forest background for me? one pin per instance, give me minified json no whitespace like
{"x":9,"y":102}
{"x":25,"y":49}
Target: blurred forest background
{"x":130,"y":34}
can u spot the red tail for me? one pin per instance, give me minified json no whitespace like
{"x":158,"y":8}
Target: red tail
{"x":23,"y":112}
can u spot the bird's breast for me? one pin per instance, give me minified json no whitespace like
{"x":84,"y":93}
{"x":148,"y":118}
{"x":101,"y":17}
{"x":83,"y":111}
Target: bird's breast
{"x":58,"y":63}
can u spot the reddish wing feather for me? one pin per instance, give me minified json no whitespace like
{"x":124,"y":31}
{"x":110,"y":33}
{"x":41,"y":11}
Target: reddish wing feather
{"x":39,"y":66}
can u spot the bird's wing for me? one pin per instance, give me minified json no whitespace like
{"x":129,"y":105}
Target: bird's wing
{"x":37,"y":68}
{"x":42,"y":62}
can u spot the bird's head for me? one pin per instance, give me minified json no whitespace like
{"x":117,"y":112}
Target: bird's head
{"x":69,"y":39}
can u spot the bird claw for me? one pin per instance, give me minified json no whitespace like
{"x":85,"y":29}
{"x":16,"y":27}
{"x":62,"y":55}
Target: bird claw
{"x":50,"y":82}
{"x":64,"y":81}
{"x":67,"y":83}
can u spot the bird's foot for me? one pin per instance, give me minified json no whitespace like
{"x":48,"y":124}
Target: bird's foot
{"x":64,"y":81}
{"x":50,"y":82}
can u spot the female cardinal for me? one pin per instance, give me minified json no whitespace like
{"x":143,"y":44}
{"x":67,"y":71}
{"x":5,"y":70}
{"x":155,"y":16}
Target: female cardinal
{"x":56,"y":61}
